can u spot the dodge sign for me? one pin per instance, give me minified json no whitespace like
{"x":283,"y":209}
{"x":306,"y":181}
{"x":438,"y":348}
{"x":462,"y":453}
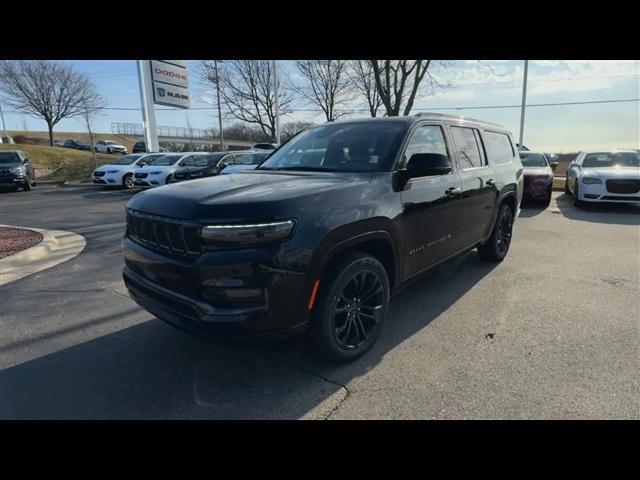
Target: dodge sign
{"x":170,"y":83}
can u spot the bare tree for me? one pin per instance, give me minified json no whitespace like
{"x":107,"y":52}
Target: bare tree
{"x":325,"y":84}
{"x":364,"y":81}
{"x":93,"y":106}
{"x":247,"y":91}
{"x":45,"y":89}
{"x":399,"y":82}
{"x":291,"y":129}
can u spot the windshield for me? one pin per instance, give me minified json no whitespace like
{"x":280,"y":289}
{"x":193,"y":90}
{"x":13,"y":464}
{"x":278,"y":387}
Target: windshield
{"x":345,"y":147}
{"x":202,"y":160}
{"x":126,"y":160}
{"x":166,"y":160}
{"x":9,"y":157}
{"x":611,"y":159}
{"x":148,"y":159}
{"x":109,"y":143}
{"x":533,"y":160}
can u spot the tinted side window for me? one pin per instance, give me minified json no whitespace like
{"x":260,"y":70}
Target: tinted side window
{"x":499,"y":148}
{"x":426,"y":139}
{"x":467,"y":148}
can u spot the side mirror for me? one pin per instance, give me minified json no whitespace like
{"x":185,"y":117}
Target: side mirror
{"x":554,"y":165}
{"x":427,"y":164}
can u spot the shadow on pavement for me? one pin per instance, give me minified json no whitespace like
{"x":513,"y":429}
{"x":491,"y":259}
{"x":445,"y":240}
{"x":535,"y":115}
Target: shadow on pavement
{"x":610,"y":213}
{"x":154,"y":371}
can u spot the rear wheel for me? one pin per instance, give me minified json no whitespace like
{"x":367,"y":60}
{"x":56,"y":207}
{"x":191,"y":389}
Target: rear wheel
{"x":127,"y":181}
{"x":496,"y":248}
{"x":352,"y":306}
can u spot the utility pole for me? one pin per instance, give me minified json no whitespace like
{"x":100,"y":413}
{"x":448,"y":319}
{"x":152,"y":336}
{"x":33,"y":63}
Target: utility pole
{"x":215,"y":63}
{"x":524,"y":101}
{"x":275,"y":94}
{"x":148,"y":110}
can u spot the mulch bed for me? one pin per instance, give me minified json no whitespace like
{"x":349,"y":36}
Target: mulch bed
{"x":14,"y":240}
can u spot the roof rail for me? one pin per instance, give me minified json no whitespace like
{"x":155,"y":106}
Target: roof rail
{"x":456,"y":117}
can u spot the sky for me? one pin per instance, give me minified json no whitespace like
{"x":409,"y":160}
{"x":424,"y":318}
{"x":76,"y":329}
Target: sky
{"x":558,"y":128}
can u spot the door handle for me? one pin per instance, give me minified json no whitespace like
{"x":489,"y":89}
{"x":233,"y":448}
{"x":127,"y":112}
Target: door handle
{"x":490,"y":183}
{"x":452,"y":192}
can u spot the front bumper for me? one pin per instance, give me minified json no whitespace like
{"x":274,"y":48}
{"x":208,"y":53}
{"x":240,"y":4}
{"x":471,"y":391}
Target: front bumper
{"x":598,"y":193}
{"x":12,"y":181}
{"x":114,"y":179}
{"x":148,"y":182}
{"x":202,"y":295}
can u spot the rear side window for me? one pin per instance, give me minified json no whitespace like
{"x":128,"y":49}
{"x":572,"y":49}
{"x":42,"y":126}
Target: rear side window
{"x":467,"y":148}
{"x":498,"y":147}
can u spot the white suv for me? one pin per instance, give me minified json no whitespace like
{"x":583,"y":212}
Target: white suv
{"x":120,"y":173}
{"x":107,"y":146}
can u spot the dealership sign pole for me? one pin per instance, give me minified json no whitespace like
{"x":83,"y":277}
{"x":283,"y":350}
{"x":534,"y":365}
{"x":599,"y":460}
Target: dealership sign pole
{"x":148,"y":111}
{"x":524,"y":100}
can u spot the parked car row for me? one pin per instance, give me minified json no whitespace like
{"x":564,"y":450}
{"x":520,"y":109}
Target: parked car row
{"x":155,"y":169}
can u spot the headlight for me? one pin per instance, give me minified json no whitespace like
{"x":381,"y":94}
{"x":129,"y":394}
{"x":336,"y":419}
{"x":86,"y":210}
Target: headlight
{"x":155,"y":173}
{"x":228,"y":235}
{"x":590,"y":180}
{"x":19,"y":170}
{"x":112,"y":171}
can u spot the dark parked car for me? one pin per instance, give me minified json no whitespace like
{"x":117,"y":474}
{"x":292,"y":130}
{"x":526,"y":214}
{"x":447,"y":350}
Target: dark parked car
{"x":538,"y":176}
{"x":321,"y":234}
{"x":213,"y":163}
{"x":140,"y":147}
{"x":83,"y":146}
{"x":16,"y":170}
{"x":70,"y":143}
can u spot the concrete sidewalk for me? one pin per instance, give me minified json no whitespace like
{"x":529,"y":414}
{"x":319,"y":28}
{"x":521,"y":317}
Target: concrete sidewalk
{"x":57,"y":246}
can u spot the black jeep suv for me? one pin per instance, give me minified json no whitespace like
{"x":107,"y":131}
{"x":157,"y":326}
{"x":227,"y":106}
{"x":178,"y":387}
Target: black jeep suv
{"x":320,"y":235}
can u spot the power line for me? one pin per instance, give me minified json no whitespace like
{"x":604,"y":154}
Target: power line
{"x":477,"y":107}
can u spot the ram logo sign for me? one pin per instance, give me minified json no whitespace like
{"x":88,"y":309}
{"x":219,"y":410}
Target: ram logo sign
{"x":170,"y":83}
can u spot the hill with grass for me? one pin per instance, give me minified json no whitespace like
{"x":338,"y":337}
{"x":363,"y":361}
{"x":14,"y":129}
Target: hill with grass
{"x":58,"y":163}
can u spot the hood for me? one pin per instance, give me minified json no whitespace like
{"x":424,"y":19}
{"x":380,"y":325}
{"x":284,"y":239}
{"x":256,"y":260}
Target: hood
{"x":612,"y":172}
{"x":116,"y":145}
{"x":104,"y":168}
{"x":237,"y":168}
{"x":252,"y":196}
{"x":157,"y":168}
{"x":534,"y":171}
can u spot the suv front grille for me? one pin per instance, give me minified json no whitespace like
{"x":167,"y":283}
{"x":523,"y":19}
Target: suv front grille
{"x":623,"y":186}
{"x":164,"y":234}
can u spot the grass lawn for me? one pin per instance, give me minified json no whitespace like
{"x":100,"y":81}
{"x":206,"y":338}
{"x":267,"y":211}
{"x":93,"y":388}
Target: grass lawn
{"x":57,"y":163}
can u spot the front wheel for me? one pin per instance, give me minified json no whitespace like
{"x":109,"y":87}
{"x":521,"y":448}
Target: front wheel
{"x":547,"y":201}
{"x":127,"y":181}
{"x":496,"y":248}
{"x":26,"y":186}
{"x":352,"y":306}
{"x":576,"y":199}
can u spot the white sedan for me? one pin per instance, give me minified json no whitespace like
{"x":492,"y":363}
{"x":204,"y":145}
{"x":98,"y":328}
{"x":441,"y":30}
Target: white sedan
{"x":604,"y":176}
{"x":107,"y":146}
{"x":160,"y":170}
{"x":120,"y":173}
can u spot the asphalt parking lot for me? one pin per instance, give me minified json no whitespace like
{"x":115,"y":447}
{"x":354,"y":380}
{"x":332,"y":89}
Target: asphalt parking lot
{"x":552,"y":332}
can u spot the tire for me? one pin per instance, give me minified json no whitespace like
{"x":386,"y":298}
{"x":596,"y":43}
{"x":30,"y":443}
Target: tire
{"x":109,"y":151}
{"x":364,"y":279}
{"x":547,"y":201}
{"x":576,"y":200}
{"x":26,"y":186}
{"x":496,"y":248}
{"x":566,"y":186}
{"x":127,"y":181}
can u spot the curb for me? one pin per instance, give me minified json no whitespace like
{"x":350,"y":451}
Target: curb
{"x":57,"y":246}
